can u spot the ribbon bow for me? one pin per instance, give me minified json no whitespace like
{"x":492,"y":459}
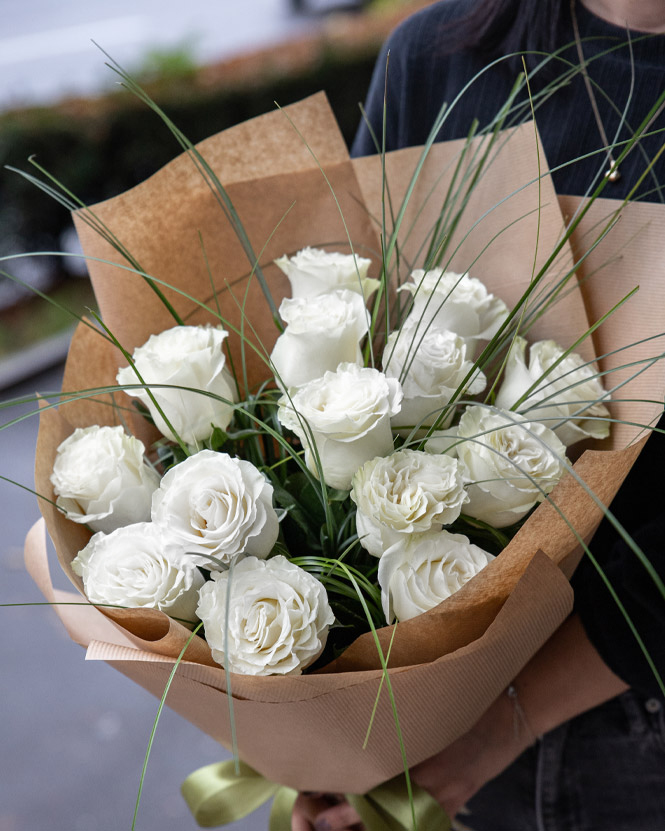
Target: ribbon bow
{"x":216,"y":795}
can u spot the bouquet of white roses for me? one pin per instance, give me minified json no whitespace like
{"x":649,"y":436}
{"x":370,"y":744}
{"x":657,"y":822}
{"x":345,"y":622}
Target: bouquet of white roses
{"x":352,"y":459}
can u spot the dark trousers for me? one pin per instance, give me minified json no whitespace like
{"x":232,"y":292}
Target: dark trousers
{"x":602,"y":771}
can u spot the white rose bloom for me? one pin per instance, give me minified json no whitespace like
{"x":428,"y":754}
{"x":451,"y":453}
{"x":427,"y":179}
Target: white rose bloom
{"x":322,"y":332}
{"x":405,"y":494}
{"x":215,"y":505}
{"x":313,"y":271}
{"x":568,"y":400}
{"x":456,"y":302}
{"x":137,"y":567}
{"x":348,"y":413}
{"x":431,"y":364}
{"x":443,"y":441}
{"x":278,"y":617}
{"x":101,"y":478}
{"x":419,"y":573}
{"x":509,"y":464}
{"x":185,"y":356}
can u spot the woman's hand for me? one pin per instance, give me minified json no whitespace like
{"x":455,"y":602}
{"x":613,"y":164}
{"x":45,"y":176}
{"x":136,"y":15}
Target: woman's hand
{"x":452,"y":776}
{"x":564,"y":679}
{"x":460,"y":770}
{"x":323,"y":812}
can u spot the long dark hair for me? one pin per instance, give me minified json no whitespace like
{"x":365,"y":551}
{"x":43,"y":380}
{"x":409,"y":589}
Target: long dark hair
{"x":503,"y":26}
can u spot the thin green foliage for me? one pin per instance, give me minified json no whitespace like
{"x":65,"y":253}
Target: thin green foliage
{"x":153,"y":732}
{"x":43,"y":295}
{"x":227,"y":672}
{"x":566,"y":352}
{"x":313,"y":512}
{"x":29,"y":490}
{"x":216,"y":187}
{"x":68,"y":200}
{"x":142,"y":383}
{"x":625,"y":536}
{"x":341,"y":214}
{"x":84,"y":603}
{"x":378,"y":692}
{"x":391,"y":695}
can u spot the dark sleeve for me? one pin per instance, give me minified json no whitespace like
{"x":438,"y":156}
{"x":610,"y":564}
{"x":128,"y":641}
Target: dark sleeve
{"x":418,"y":72}
{"x":390,"y":86}
{"x":639,"y":507}
{"x":415,"y":74}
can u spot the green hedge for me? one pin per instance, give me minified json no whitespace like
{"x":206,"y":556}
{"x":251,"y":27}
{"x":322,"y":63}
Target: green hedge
{"x":102,"y":147}
{"x":106,"y":147}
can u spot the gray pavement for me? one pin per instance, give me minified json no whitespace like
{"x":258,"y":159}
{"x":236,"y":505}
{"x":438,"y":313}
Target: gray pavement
{"x":73,"y":735}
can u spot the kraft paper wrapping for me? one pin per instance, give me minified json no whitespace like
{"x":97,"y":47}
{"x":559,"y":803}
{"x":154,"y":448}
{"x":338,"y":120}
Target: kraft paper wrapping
{"x":449,"y":664}
{"x":307,"y":732}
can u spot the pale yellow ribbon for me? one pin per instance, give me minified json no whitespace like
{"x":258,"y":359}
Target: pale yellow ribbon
{"x":218,"y":794}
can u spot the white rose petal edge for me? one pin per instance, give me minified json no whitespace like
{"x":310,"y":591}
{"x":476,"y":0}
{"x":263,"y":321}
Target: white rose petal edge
{"x":278,"y":617}
{"x":214,"y":505}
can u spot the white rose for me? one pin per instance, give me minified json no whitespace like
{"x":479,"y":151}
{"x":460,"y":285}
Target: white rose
{"x":185,"y":356}
{"x":509,"y":464}
{"x":456,"y":302}
{"x":322,"y":332}
{"x":431,"y":364}
{"x":313,"y":271}
{"x":568,"y":400}
{"x":443,"y":441}
{"x":212,"y":505}
{"x":405,"y":494}
{"x":101,"y":478}
{"x":419,"y":573}
{"x":348,"y":413}
{"x":137,"y":567}
{"x":278,"y":617}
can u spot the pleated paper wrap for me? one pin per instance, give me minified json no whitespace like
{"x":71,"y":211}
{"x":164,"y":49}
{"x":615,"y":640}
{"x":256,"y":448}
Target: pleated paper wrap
{"x":449,"y":664}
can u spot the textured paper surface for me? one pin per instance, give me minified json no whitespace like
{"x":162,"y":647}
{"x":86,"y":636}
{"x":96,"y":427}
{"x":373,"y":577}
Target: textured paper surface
{"x":449,"y":664}
{"x":307,"y":732}
{"x":502,"y":237}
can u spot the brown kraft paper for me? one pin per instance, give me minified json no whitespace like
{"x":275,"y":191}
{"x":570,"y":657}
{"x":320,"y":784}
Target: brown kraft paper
{"x":449,"y":664}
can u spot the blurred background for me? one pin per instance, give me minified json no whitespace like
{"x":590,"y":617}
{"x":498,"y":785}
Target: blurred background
{"x":73,"y":736}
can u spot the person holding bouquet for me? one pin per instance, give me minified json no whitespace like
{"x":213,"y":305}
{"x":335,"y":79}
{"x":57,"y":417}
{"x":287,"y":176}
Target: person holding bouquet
{"x":578,"y":740}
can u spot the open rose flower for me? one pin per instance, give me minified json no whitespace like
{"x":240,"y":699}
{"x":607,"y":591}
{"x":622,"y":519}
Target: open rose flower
{"x":190,"y":357}
{"x":509,"y":463}
{"x":137,"y":567}
{"x":101,"y":478}
{"x":431,"y":364}
{"x":405,"y":494}
{"x":278,"y":617}
{"x":456,"y":302}
{"x":420,"y":572}
{"x":313,"y":271}
{"x":348,"y":413}
{"x":322,"y":332}
{"x":213,"y":505}
{"x":568,"y":399}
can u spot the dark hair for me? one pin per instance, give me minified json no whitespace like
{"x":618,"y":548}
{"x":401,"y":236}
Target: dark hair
{"x":504,"y":26}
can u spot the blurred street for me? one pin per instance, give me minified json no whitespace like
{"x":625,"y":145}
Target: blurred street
{"x":46,"y":48}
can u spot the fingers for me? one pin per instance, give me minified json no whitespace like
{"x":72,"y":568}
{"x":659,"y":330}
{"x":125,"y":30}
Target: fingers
{"x":339,"y":817}
{"x":305,"y":811}
{"x":315,"y":813}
